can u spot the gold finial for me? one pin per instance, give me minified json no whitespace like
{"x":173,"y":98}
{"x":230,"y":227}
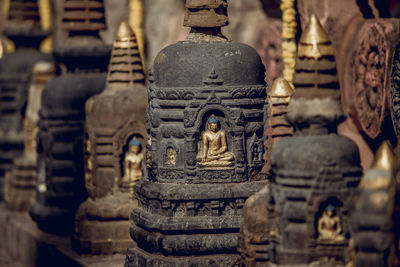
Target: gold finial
{"x":125,"y":32}
{"x":385,"y":159}
{"x":126,"y":68}
{"x":281,"y":89}
{"x":314,"y":41}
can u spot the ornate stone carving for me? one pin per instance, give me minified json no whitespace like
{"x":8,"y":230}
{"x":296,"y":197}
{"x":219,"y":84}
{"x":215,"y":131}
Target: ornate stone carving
{"x":311,"y":171}
{"x":364,"y":68}
{"x":192,"y":207}
{"x":116,"y":134}
{"x":395,"y":91}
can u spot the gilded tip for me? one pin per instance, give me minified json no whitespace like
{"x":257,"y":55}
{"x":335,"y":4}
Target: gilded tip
{"x":125,"y":31}
{"x":314,"y":33}
{"x":385,"y":159}
{"x":43,"y":67}
{"x":281,"y":88}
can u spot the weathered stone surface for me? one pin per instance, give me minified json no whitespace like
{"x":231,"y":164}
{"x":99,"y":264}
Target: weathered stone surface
{"x":313,"y":174}
{"x":113,"y":119}
{"x":61,"y":180}
{"x":205,"y":124}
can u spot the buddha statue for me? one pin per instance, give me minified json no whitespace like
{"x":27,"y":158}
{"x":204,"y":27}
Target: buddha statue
{"x":133,"y":165}
{"x":213,"y":151}
{"x":329,"y":227}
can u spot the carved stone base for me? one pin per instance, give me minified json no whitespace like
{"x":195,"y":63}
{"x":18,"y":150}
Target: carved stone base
{"x":103,"y":237}
{"x":20,"y":184}
{"x":102,"y":225}
{"x":138,"y":257}
{"x":187,"y":224}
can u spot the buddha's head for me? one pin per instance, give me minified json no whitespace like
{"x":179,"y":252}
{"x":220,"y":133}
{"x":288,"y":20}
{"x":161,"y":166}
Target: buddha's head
{"x":330,"y":210}
{"x":135,"y":146}
{"x":213,"y":124}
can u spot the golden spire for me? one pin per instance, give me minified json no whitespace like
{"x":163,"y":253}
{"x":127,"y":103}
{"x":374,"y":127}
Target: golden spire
{"x":385,"y":159}
{"x":316,"y":74}
{"x":125,"y":69}
{"x":314,"y":42}
{"x":281,"y":90}
{"x":289,"y":30}
{"x":22,"y":13}
{"x":45,"y":20}
{"x":136,"y":17}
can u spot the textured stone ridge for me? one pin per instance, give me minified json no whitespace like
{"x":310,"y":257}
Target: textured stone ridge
{"x":190,"y":202}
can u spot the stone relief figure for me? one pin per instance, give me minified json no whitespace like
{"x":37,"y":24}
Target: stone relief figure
{"x":171,"y":157}
{"x":133,"y":164}
{"x":214,"y":150}
{"x":329,"y":227}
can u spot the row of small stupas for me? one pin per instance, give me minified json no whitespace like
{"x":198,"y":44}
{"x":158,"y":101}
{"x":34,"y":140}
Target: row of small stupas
{"x":199,"y":147}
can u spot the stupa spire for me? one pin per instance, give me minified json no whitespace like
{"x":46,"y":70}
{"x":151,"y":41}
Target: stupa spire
{"x":126,"y":68}
{"x":385,"y":158}
{"x":315,"y":71}
{"x":84,"y":16}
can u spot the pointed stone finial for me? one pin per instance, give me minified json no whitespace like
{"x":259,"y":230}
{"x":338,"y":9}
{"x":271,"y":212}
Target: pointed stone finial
{"x":315,"y":42}
{"x":126,"y":68}
{"x":385,"y":159}
{"x":280,"y":91}
{"x":125,"y":33}
{"x":316,"y":74}
{"x":206,"y":13}
{"x":213,"y":79}
{"x":84,"y":16}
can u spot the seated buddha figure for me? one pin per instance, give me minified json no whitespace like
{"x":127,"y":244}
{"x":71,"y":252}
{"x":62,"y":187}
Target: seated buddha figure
{"x":329,"y":227}
{"x":213,"y":152}
{"x":133,"y":165}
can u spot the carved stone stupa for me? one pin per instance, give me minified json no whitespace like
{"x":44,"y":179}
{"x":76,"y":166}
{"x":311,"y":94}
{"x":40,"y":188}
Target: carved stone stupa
{"x":315,"y":172}
{"x":61,"y":182}
{"x":24,"y":29}
{"x":204,"y":144}
{"x":374,"y":218}
{"x":115,"y":142}
{"x":20,"y":182}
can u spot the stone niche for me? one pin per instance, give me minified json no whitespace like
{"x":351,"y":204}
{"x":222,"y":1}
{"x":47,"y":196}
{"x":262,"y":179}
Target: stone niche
{"x":205,"y":124}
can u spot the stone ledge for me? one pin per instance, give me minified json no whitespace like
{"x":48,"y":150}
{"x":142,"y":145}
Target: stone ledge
{"x":24,"y":245}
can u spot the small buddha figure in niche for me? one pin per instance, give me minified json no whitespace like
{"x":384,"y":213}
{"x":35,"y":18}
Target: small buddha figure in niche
{"x":213,"y":151}
{"x":133,"y":164}
{"x":329,"y":227}
{"x":171,"y":157}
